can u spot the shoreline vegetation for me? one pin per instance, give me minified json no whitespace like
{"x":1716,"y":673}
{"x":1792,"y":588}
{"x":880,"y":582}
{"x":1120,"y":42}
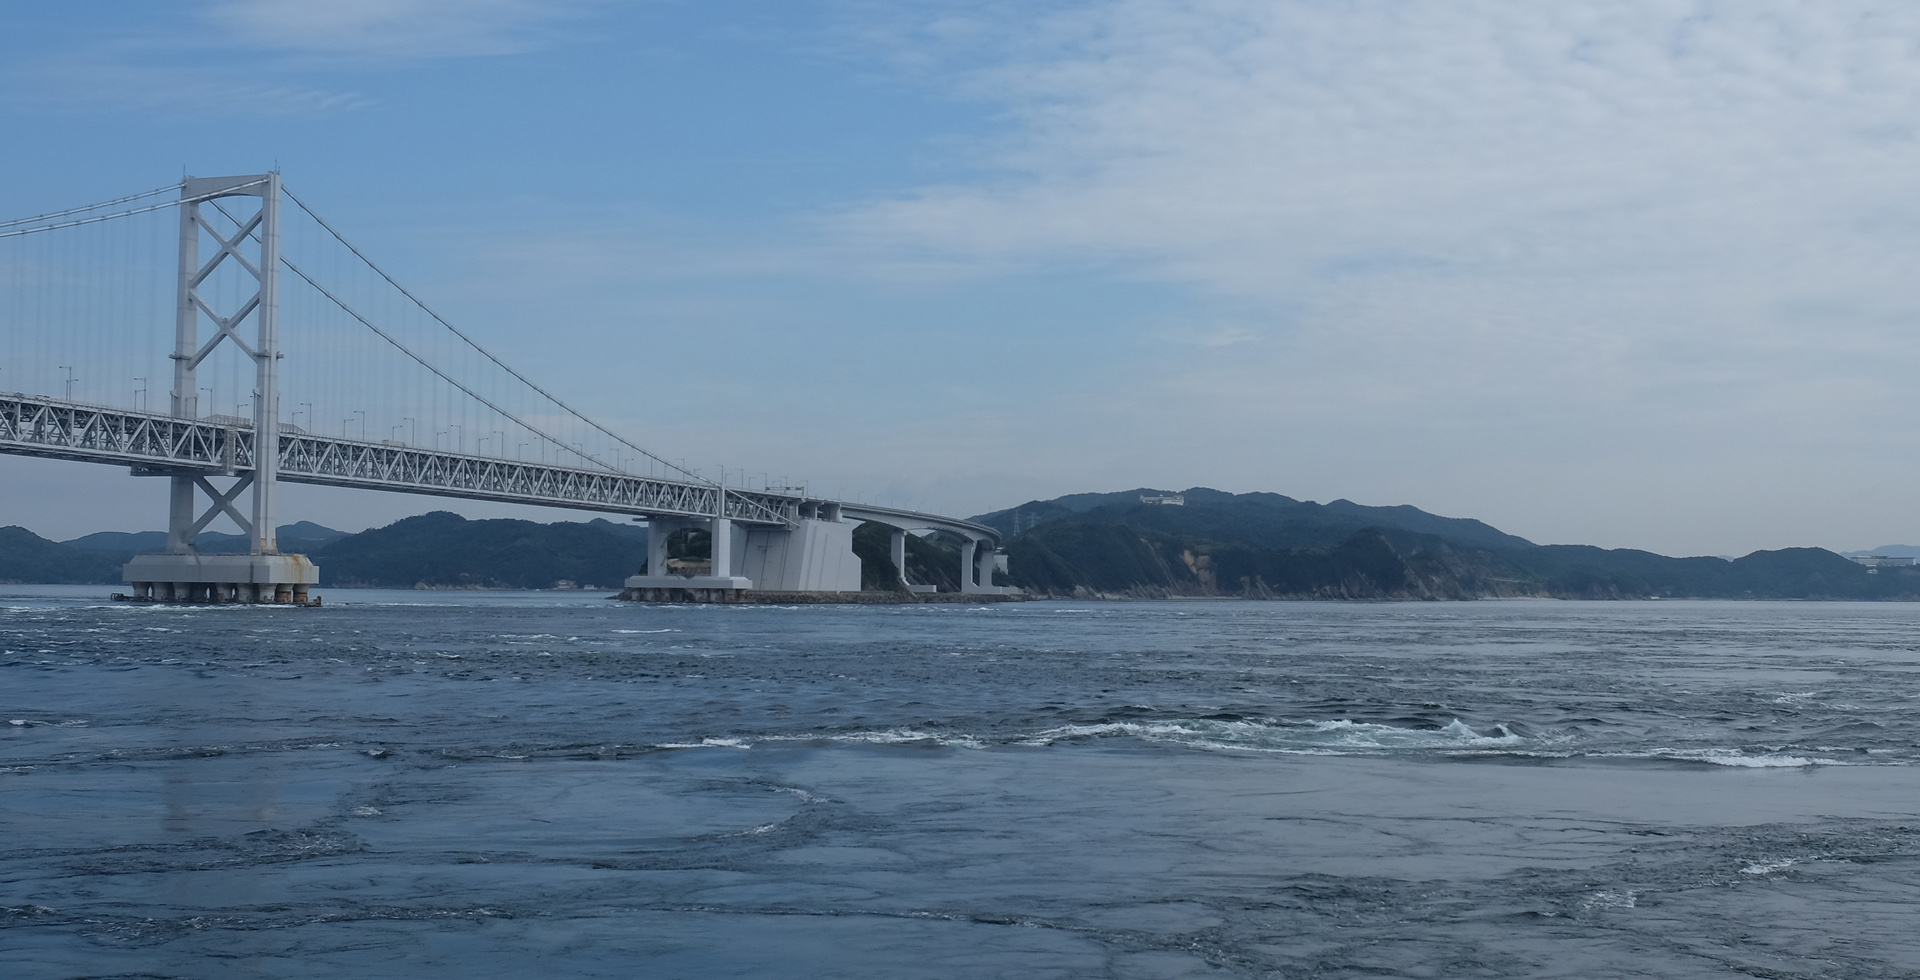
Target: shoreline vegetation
{"x":1267,"y":546}
{"x":1128,"y":545}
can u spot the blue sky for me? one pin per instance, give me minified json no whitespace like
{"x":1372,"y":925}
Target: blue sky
{"x":1630,"y":273}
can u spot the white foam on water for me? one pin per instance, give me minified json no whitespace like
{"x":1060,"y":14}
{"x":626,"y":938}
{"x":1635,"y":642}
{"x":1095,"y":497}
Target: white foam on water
{"x":891,"y":736}
{"x":1608,"y":900}
{"x":1335,"y":737}
{"x":648,"y":631}
{"x":706,"y":743}
{"x":1767,"y":868}
{"x":1741,"y":760}
{"x":907,"y":736}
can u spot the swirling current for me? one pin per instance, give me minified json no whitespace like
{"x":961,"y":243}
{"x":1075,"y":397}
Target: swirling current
{"x":556,"y":785}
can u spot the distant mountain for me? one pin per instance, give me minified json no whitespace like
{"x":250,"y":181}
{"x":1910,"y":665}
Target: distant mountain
{"x":1890,"y":550}
{"x":445,"y":550}
{"x":1258,"y":545}
{"x":1267,"y":545}
{"x":1265,"y":520}
{"x":28,"y":557}
{"x":299,"y":538}
{"x":96,"y":558}
{"x":437,"y":550}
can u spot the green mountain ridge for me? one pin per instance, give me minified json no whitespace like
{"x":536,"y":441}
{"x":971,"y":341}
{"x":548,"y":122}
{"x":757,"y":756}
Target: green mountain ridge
{"x":436,"y":550}
{"x":1217,"y":544}
{"x":1261,"y":545}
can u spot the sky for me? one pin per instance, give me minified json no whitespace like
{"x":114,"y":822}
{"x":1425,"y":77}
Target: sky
{"x":1636,"y":273}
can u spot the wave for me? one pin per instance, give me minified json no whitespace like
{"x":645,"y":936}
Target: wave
{"x":1336,"y":737}
{"x":895,"y":736}
{"x":1742,"y":760}
{"x":707,"y":743}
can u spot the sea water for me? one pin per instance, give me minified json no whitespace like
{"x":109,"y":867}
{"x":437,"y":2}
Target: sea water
{"x":413,"y":784}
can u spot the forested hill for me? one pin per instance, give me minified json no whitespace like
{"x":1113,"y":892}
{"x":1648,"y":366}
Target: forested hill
{"x":1263,"y":520}
{"x":437,"y":550}
{"x":1257,"y":545}
{"x":1267,"y":545}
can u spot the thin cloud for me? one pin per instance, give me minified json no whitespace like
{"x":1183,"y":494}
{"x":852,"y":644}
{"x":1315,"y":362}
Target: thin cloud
{"x":1467,"y":177}
{"x":264,"y":56}
{"x":1485,"y":230}
{"x":106,"y":78}
{"x":402,"y":29}
{"x":1251,"y":146}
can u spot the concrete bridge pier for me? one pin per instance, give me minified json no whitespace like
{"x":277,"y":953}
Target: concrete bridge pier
{"x":978,"y":561}
{"x":967,"y":565}
{"x":268,"y":579}
{"x":720,"y":532}
{"x":660,"y":585}
{"x":806,"y":556}
{"x":900,"y":564}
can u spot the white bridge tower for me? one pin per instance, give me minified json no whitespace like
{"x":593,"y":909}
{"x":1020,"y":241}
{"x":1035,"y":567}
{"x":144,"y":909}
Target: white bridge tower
{"x":250,"y":454}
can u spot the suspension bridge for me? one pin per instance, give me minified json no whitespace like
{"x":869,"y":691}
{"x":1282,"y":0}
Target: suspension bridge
{"x":266,"y":307}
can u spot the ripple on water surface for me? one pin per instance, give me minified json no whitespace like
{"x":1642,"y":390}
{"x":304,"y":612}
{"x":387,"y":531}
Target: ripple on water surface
{"x":505,"y":785}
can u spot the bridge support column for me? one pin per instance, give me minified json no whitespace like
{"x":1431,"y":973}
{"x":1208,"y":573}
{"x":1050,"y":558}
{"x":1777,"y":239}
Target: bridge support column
{"x":180,"y":529}
{"x":659,"y":529}
{"x":900,"y":557}
{"x":967,"y":548}
{"x":720,"y":558}
{"x":978,"y":559}
{"x":657,"y":585}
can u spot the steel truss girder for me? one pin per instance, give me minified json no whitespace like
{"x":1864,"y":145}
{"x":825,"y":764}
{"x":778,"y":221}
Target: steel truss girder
{"x":162,"y":444}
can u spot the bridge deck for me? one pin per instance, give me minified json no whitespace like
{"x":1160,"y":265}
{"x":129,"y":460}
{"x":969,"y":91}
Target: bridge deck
{"x":158,"y":444}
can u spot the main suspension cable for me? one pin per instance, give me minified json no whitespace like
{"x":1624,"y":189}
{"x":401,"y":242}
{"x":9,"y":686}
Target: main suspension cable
{"x":210,"y":195}
{"x":523,"y":379}
{"x":721,"y":487}
{"x":402,"y":348}
{"x":91,"y":207}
